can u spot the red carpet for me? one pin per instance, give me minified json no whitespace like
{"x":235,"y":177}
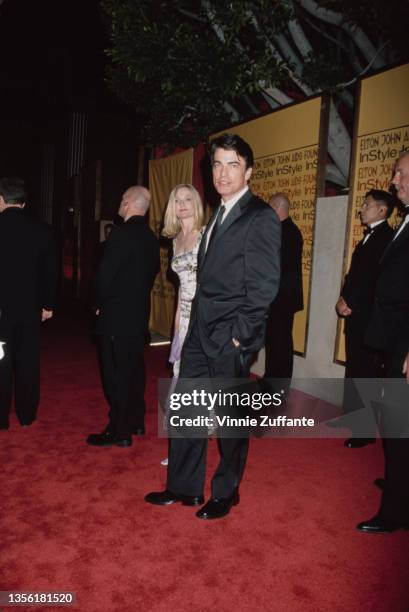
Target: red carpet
{"x":73,"y":517}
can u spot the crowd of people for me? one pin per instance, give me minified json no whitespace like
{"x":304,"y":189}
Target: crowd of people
{"x":240,"y":284}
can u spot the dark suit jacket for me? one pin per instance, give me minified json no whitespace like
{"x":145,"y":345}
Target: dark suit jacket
{"x":238,"y":277}
{"x":125,"y":277}
{"x":389,"y":325}
{"x":290,"y":293}
{"x":359,"y":285}
{"x":28,"y":268}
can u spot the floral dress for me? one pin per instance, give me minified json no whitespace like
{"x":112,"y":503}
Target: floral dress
{"x":185,"y":266}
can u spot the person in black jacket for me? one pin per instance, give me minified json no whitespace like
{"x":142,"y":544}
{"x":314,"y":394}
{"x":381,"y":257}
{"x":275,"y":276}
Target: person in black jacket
{"x":355,"y":304}
{"x":289,"y":300}
{"x":238,"y":277}
{"x":123,"y":284}
{"x":27,"y":295}
{"x":388,"y":332}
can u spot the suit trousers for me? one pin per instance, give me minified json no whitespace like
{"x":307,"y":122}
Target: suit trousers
{"x":21,"y":364}
{"x":123,"y":377}
{"x":395,"y":495}
{"x":279,"y":342}
{"x":187,"y":457}
{"x":361,"y":362}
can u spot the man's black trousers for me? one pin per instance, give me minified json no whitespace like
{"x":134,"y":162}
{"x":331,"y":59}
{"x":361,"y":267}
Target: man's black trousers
{"x":279,"y":343}
{"x":187,"y":456}
{"x":361,"y":362}
{"x":123,"y":376}
{"x":21,"y":366}
{"x":395,"y":495}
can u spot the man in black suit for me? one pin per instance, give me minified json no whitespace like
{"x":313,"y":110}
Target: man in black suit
{"x":238,"y":277}
{"x":123,"y":284}
{"x":388,"y":331}
{"x":289,"y":300}
{"x":27,"y":295}
{"x":100,"y":247}
{"x":355,"y":304}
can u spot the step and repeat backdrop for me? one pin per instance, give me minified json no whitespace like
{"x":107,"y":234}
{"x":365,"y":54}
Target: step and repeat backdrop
{"x":289,"y":150}
{"x":290,"y":155}
{"x":381,"y":135}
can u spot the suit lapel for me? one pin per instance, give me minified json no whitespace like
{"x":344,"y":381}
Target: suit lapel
{"x":379,"y":228}
{"x":202,"y":249}
{"x":395,"y":242}
{"x":360,"y":245}
{"x":237,"y":211}
{"x":231,"y":217}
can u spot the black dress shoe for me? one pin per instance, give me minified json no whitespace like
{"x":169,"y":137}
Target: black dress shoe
{"x":358,"y":442}
{"x":138,"y":431}
{"x":106,"y":438}
{"x":217,"y":507}
{"x":378,"y":524}
{"x":27,"y":423}
{"x":380,"y":483}
{"x":124,"y":442}
{"x":165,"y":498}
{"x":4,"y":426}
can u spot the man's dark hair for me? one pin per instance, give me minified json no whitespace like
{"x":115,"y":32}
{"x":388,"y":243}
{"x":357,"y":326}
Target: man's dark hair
{"x":232,"y":142}
{"x":13,"y":190}
{"x":383,"y":197}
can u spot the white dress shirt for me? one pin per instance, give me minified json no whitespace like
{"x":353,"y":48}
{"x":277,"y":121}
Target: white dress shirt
{"x":371,"y":226}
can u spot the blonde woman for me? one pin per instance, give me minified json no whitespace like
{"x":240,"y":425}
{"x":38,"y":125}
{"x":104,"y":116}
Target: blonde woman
{"x":184,"y":223}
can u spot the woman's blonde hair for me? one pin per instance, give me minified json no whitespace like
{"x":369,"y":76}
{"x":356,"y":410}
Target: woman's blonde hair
{"x":172,"y":225}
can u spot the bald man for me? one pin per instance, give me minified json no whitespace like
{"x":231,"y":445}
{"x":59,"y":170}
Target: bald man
{"x":289,"y":300}
{"x":123,"y":284}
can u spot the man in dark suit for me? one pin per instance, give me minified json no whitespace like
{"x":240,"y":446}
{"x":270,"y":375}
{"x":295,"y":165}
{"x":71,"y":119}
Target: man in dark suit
{"x":238,"y":277}
{"x":388,"y":331}
{"x":289,"y":300}
{"x":27,"y":295}
{"x":355,"y":304}
{"x":100,"y":247}
{"x":123,"y":284}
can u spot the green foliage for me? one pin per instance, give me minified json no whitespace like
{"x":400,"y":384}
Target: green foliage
{"x":382,"y":20}
{"x":318,"y":71}
{"x":173,"y":68}
{"x":179,"y":62}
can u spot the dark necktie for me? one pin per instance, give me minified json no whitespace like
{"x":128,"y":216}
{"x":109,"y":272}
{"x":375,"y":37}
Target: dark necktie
{"x":368,"y":231}
{"x":216,"y":225}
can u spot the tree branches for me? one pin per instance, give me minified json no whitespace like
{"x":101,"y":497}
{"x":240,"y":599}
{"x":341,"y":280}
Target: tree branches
{"x":189,"y":67}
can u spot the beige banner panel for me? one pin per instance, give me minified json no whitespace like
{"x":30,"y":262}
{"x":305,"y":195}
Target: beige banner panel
{"x":286,"y":145}
{"x":164,"y":175}
{"x":381,"y":135}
